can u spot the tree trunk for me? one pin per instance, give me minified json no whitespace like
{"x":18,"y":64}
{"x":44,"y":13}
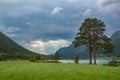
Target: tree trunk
{"x":90,"y":54}
{"x":94,"y":54}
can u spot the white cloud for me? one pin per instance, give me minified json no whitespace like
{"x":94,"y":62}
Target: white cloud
{"x":47,"y":47}
{"x":56,"y":10}
{"x":87,"y":12}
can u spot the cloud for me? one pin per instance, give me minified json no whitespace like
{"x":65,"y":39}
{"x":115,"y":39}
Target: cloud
{"x":22,"y":10}
{"x":47,"y":47}
{"x":101,"y":2}
{"x":51,"y":30}
{"x":18,"y":8}
{"x":56,"y":10}
{"x":32,"y":22}
{"x":109,"y":7}
{"x":10,"y":31}
{"x":39,"y":43}
{"x":87,"y":12}
{"x":71,"y":0}
{"x":9,"y":1}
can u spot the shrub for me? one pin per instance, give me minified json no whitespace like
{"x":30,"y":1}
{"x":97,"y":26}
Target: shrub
{"x":119,"y":62}
{"x":32,"y":60}
{"x":114,"y":62}
{"x":35,"y":58}
{"x":2,"y":57}
{"x":76,"y":59}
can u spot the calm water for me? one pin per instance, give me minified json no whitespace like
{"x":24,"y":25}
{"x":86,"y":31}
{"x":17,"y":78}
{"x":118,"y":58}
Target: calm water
{"x":85,"y":61}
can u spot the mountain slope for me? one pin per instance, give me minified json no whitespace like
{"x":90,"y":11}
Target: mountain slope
{"x":70,"y":51}
{"x":116,"y":41}
{"x":11,"y":49}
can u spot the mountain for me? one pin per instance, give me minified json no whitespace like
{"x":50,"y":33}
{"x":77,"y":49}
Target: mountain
{"x":69,"y":52}
{"x":116,"y":41}
{"x":10,"y":49}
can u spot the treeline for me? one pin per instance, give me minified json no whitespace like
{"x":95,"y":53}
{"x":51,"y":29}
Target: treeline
{"x":53,"y":58}
{"x":6,"y":56}
{"x":34,"y":57}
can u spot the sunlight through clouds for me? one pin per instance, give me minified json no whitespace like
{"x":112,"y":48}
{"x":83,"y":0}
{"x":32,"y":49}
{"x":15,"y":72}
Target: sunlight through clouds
{"x":46,"y":47}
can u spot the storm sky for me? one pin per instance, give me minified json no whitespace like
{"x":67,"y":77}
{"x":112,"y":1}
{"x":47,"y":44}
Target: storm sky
{"x":44,"y":26}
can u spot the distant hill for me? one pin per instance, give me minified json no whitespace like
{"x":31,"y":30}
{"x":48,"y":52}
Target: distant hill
{"x":116,"y":41}
{"x":69,"y":52}
{"x":10,"y":49}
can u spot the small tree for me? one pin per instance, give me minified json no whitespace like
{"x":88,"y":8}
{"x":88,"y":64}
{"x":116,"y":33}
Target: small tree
{"x":37,"y":56}
{"x":76,"y":59}
{"x":56,"y":55}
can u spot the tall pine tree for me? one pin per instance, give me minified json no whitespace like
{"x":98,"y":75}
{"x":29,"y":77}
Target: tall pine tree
{"x":91,"y":34}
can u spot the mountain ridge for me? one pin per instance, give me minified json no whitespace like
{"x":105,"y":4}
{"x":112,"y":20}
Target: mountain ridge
{"x":11,"y":49}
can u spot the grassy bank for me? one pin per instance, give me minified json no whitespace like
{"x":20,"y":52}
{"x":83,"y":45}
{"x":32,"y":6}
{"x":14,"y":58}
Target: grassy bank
{"x":25,"y":70}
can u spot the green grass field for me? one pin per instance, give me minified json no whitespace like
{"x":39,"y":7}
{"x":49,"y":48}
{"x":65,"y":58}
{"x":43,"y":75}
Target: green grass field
{"x":25,"y":70}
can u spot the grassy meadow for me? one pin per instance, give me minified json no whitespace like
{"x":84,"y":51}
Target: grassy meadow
{"x":25,"y":70}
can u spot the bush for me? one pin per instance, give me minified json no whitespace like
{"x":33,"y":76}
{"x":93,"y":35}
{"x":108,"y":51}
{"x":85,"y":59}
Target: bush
{"x":119,"y":62}
{"x":49,"y":61}
{"x":35,"y":58}
{"x":114,"y":62}
{"x":32,"y":60}
{"x":76,"y":59}
{"x":2,"y":57}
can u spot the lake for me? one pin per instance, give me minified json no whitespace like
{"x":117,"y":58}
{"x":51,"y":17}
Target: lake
{"x":85,"y":61}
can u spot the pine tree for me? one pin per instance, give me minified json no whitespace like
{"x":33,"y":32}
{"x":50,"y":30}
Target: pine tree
{"x":91,"y":34}
{"x":56,"y":55}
